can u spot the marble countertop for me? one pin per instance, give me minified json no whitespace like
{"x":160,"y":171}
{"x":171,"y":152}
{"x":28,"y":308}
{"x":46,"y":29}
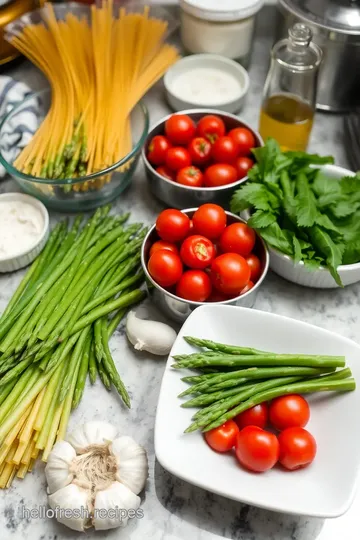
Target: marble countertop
{"x":174,"y":509}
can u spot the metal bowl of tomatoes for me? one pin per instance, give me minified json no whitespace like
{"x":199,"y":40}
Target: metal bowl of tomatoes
{"x":198,"y":156}
{"x":171,"y":292}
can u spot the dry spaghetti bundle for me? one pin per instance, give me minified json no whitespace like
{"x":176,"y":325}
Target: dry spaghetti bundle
{"x":98,"y":67}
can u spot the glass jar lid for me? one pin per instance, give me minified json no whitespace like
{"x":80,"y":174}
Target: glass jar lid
{"x":338,"y":15}
{"x":221,"y":10}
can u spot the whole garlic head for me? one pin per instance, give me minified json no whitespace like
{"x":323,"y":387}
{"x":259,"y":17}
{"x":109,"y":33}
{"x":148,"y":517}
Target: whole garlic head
{"x":97,"y":474}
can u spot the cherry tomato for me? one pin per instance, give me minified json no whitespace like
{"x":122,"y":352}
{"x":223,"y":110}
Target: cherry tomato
{"x":211,"y":127}
{"x":160,"y":244}
{"x":180,"y":129}
{"x":157,"y":150}
{"x":197,"y":251}
{"x":256,"y":416}
{"x":247,"y":288}
{"x":289,"y":411}
{"x":165,"y":267}
{"x":243,"y":165}
{"x":220,"y":175}
{"x":172,"y":225}
{"x":297,"y":448}
{"x":166,"y":172}
{"x":238,"y":238}
{"x":256,"y":449}
{"x":194,"y":285}
{"x":177,"y":158}
{"x":230,"y":273}
{"x":209,"y":220}
{"x":224,"y":150}
{"x":255,"y":267}
{"x":190,"y":176}
{"x":244,"y":140}
{"x":200,"y":151}
{"x":222,"y":439}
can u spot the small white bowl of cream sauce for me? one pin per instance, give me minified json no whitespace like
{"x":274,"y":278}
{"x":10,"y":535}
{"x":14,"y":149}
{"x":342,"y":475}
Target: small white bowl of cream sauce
{"x":24,"y":230}
{"x":206,"y":80}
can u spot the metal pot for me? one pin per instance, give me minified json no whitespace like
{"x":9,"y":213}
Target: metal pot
{"x":336,"y":28}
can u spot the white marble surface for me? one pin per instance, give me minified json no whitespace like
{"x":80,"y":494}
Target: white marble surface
{"x":173,"y":509}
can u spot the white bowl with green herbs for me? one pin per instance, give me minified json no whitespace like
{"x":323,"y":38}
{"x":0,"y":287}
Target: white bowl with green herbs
{"x":308,"y":212}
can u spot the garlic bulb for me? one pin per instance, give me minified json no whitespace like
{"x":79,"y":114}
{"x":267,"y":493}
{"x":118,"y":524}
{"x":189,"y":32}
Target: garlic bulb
{"x":152,"y":336}
{"x":131,"y":461}
{"x":94,"y":477}
{"x":116,"y":496}
{"x":59,"y":461}
{"x":75,"y":503}
{"x":91,"y":433}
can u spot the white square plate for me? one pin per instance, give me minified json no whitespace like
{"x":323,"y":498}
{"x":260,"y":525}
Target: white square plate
{"x":324,"y":489}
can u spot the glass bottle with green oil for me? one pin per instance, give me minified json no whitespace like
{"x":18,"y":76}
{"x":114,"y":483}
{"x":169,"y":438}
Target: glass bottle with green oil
{"x":289,"y":100}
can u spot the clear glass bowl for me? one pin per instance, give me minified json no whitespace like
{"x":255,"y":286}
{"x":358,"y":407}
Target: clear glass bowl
{"x":73,"y":194}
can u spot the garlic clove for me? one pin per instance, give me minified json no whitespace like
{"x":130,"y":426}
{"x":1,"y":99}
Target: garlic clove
{"x":71,"y":506}
{"x":57,"y":469}
{"x":132,"y":463}
{"x":114,"y":506}
{"x":152,"y":336}
{"x":95,"y":432}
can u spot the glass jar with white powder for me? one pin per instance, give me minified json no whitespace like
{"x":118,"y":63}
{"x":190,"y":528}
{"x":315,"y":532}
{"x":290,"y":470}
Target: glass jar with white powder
{"x":224,"y":27}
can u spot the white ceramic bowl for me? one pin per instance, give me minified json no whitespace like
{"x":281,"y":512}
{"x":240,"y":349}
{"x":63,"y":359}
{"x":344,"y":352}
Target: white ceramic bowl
{"x":25,"y":257}
{"x":285,"y":267}
{"x":324,"y":489}
{"x":200,"y":61}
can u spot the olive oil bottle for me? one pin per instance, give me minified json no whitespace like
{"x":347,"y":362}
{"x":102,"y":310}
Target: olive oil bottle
{"x":289,"y":100}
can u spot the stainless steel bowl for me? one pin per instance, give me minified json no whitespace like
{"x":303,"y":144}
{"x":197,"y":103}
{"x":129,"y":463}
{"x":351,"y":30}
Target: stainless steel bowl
{"x":179,"y":309}
{"x":178,"y":196}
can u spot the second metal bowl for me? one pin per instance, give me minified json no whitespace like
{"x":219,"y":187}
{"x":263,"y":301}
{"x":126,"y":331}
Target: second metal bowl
{"x":179,"y":309}
{"x":179,"y":196}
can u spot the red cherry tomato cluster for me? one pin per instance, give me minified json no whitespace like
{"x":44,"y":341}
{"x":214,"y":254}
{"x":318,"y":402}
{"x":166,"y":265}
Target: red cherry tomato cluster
{"x":201,"y":155}
{"x":203,"y":259}
{"x":259,"y":450}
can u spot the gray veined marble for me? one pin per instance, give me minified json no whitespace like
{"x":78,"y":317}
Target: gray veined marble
{"x":173,"y":509}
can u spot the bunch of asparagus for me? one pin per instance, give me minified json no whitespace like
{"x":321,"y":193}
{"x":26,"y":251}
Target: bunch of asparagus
{"x":234,"y":379}
{"x":56,"y":330}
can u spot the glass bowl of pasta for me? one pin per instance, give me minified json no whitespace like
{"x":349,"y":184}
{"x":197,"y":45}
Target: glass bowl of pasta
{"x":72,"y":191}
{"x":82,"y":139}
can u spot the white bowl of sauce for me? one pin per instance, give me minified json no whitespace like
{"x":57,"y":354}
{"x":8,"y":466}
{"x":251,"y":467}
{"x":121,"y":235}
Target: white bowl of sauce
{"x":24,"y":230}
{"x":206,"y":80}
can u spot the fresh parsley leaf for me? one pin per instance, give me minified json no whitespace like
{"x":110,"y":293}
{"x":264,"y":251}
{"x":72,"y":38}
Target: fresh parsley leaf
{"x":256,"y":195}
{"x":301,"y":159}
{"x":250,"y":194}
{"x":297,"y":249}
{"x":323,"y":185}
{"x":312,"y":264}
{"x":331,"y":252}
{"x":278,"y":239}
{"x":352,"y":253}
{"x":270,"y":160}
{"x":325,"y":222}
{"x":350,"y":184}
{"x":343,"y":208}
{"x":305,"y":203}
{"x":253,"y":173}
{"x":261,"y":219}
